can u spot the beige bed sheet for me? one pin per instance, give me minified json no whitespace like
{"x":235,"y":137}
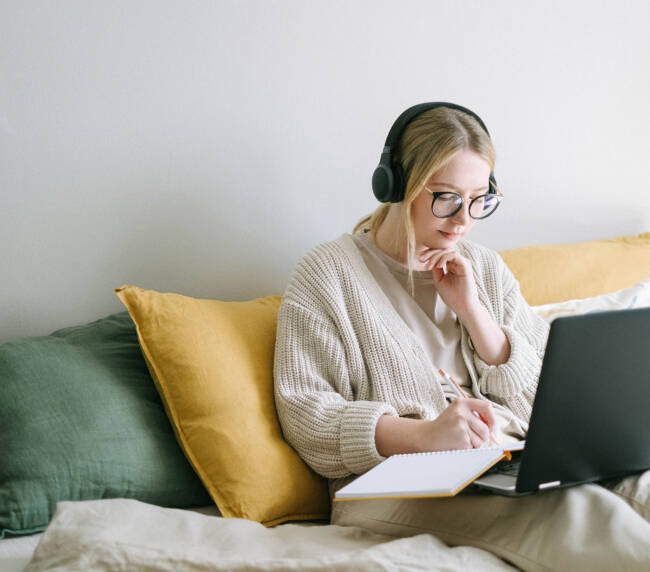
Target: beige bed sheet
{"x":121,"y":534}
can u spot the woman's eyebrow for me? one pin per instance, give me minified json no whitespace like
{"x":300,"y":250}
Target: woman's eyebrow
{"x":438,"y":184}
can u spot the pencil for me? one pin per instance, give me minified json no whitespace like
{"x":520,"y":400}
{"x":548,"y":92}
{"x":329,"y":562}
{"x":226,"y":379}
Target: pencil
{"x":458,"y":390}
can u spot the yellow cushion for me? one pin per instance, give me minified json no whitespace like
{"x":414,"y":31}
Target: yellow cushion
{"x":558,"y":272}
{"x":212,"y":363}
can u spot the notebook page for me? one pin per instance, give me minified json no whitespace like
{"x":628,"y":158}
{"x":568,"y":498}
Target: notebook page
{"x":441,"y":473}
{"x":516,"y":446}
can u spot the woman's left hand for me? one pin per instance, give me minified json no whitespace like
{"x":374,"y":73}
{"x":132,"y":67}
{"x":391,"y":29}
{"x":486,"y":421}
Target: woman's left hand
{"x":457,"y":287}
{"x":458,"y":290}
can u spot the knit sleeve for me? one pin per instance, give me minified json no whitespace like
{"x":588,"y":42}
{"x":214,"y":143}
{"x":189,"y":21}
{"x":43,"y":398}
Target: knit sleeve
{"x":315,"y":396}
{"x":514,"y":382}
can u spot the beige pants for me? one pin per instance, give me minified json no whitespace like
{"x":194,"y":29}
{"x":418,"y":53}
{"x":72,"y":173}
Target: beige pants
{"x":588,"y":527}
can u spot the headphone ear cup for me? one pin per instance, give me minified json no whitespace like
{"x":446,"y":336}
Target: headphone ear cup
{"x":399,"y":184}
{"x":382,"y":183}
{"x":388,"y":183}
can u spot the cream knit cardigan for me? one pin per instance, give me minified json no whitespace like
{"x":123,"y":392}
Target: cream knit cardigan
{"x":344,"y":357}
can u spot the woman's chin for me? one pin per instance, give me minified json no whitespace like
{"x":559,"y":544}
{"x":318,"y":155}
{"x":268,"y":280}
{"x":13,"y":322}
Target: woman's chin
{"x":437,"y":240}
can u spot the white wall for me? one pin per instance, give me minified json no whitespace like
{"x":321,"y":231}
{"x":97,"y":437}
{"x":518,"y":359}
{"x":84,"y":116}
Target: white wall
{"x":202,"y":147}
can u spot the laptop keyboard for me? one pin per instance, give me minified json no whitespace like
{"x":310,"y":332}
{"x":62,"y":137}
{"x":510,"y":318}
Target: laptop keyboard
{"x":510,"y":468}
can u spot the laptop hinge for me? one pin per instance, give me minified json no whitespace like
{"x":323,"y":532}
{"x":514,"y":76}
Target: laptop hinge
{"x":548,"y":485}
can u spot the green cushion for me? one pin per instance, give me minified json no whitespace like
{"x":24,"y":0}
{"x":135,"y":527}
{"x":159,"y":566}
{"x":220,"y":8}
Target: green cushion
{"x":80,"y":419}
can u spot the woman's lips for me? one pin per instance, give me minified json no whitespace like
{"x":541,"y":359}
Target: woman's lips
{"x":449,"y":235}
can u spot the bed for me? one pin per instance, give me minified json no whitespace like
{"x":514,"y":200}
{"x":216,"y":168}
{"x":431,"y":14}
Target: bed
{"x":116,"y":454}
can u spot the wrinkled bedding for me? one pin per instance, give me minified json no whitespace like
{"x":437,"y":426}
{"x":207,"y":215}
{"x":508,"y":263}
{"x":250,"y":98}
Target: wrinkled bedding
{"x":121,"y":534}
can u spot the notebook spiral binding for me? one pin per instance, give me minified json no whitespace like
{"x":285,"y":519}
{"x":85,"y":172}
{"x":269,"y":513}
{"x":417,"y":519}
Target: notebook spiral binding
{"x":446,"y":452}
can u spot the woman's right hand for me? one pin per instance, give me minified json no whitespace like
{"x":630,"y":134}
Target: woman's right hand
{"x":457,"y":427}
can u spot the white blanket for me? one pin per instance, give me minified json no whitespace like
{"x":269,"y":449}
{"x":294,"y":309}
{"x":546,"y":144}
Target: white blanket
{"x":120,"y":534}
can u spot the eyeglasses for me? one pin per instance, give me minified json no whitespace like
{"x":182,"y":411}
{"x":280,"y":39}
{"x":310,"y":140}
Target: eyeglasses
{"x":447,"y":204}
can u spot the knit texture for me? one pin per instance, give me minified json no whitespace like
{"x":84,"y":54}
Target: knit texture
{"x":344,"y":357}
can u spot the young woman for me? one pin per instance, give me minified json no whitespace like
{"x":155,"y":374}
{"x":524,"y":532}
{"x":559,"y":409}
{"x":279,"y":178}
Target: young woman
{"x":368,"y":320}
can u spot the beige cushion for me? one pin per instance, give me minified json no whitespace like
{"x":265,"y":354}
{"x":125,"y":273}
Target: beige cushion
{"x":637,"y":296}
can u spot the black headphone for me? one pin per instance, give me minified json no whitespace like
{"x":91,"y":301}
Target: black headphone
{"x":388,"y":183}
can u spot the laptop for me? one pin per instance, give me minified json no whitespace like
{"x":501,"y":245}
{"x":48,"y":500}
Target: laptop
{"x":591,"y":415}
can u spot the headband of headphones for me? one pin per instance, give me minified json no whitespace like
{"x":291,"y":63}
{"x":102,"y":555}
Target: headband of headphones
{"x":388,"y":182}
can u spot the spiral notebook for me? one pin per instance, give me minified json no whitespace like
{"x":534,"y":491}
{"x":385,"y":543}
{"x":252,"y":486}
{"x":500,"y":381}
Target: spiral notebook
{"x":420,"y":475}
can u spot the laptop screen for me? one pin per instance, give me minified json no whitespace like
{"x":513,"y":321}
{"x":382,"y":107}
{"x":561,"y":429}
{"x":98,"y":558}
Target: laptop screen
{"x":591,"y":414}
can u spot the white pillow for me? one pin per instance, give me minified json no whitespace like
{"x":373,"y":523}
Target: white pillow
{"x":637,"y":296}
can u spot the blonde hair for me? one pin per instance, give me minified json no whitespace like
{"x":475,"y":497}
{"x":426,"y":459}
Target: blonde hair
{"x":427,"y":144}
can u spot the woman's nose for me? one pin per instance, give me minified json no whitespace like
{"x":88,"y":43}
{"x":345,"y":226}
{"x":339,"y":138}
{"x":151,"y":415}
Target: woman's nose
{"x":462,"y":216}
